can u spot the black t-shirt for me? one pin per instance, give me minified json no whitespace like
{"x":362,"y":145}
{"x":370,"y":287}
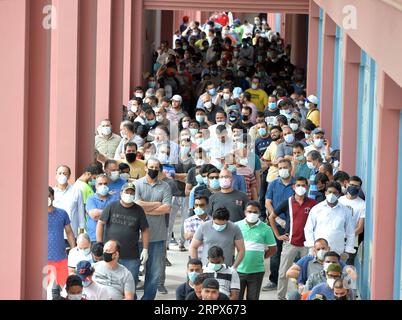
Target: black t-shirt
{"x":183,"y":167}
{"x":211,"y":115}
{"x":268,"y":113}
{"x":193,"y":296}
{"x":299,"y":135}
{"x":191,"y":176}
{"x":183,"y":291}
{"x":261,"y":144}
{"x":124,"y":225}
{"x":247,"y":125}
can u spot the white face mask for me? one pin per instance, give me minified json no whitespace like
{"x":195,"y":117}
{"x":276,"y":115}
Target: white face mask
{"x":199,"y":162}
{"x":294,"y":126}
{"x":127,"y":198}
{"x":221,"y":123}
{"x":226,"y":96}
{"x":252,"y":217}
{"x":243,"y":161}
{"x":139,"y":95}
{"x":254,"y":86}
{"x":331,"y":198}
{"x":75,"y":296}
{"x":86,"y":251}
{"x":125,"y":176}
{"x":208,"y":104}
{"x":114,"y":175}
{"x":310,"y":165}
{"x":61,"y":179}
{"x":326,"y":264}
{"x":300,"y":191}
{"x":159,"y":118}
{"x":49,"y":201}
{"x":284,"y":173}
{"x":331,"y":283}
{"x":123,"y":135}
{"x":106,"y":131}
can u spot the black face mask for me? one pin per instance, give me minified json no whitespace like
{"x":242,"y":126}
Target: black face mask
{"x":130,"y":157}
{"x":153,"y":173}
{"x":245,"y":117}
{"x":107,"y":257}
{"x":341,"y":298}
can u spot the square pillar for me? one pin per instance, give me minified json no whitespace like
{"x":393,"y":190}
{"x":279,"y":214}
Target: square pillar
{"x":312,"y":47}
{"x":350,"y":101}
{"x":327,"y":81}
{"x":389,"y":108}
{"x":138,"y":25}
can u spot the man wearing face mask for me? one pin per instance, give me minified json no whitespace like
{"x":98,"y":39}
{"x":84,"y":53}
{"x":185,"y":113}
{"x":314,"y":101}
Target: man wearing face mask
{"x":227,"y":277}
{"x":69,"y":198}
{"x":299,"y":163}
{"x":296,"y":210}
{"x":122,"y":221}
{"x":113,"y":173}
{"x":246,"y":117}
{"x":127,"y":133}
{"x":91,"y":290}
{"x":194,"y":269}
{"x":272,"y":110}
{"x":81,"y":252}
{"x":314,"y":161}
{"x":155,"y":197}
{"x":358,"y":205}
{"x":106,"y":142}
{"x":313,"y":114}
{"x":320,"y":144}
{"x":220,"y":119}
{"x":285,"y":149}
{"x":258,"y":96}
{"x":115,"y":277}
{"x":269,"y":158}
{"x":219,"y":232}
{"x":137,"y":166}
{"x":96,"y":203}
{"x":333,"y":221}
{"x":278,"y":191}
{"x":260,"y":245}
{"x":234,"y":200}
{"x":210,"y":90}
{"x":326,"y":289}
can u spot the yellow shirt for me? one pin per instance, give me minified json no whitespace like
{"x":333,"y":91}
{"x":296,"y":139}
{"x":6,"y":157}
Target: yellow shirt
{"x":270,"y":155}
{"x":137,"y":168}
{"x":259,"y":97}
{"x":314,"y":117}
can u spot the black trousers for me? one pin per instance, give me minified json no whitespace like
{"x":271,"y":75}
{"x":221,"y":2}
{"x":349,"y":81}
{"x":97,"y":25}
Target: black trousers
{"x":252,"y":282}
{"x":261,"y":196}
{"x":275,"y":260}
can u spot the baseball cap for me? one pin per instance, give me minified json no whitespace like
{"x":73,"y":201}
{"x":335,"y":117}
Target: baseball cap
{"x":334,"y":267}
{"x":177,"y":97}
{"x":318,"y":130}
{"x":312,"y":99}
{"x":234,"y":107}
{"x":236,"y":92}
{"x":84,"y":269}
{"x":210,"y":283}
{"x":128,"y":185}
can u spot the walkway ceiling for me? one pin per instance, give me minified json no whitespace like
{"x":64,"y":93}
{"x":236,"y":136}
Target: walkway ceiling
{"x":274,"y":6}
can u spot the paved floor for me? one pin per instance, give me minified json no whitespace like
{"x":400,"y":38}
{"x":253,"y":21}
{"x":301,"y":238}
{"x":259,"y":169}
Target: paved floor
{"x":176,"y":274}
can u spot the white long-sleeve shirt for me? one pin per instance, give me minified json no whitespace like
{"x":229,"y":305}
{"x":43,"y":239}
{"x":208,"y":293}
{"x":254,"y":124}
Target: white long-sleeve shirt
{"x":71,"y":201}
{"x":333,"y":224}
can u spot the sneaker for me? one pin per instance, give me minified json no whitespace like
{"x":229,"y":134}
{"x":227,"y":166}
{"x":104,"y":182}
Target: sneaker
{"x":269,"y":287}
{"x":168,"y":263}
{"x":162,"y":290}
{"x":182,"y":248}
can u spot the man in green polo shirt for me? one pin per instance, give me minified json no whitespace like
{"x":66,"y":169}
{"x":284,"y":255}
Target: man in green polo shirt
{"x":260,"y":244}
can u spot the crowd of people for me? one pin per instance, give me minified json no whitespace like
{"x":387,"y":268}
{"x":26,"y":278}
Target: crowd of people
{"x":225,"y":140}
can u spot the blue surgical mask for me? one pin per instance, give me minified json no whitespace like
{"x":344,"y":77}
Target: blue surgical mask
{"x":319,"y":142}
{"x":289,"y":138}
{"x":300,"y":158}
{"x":192,"y":276}
{"x":219,"y":227}
{"x":193,"y":131}
{"x":103,"y":190}
{"x":151,"y":84}
{"x":212,"y":92}
{"x":307,"y":136}
{"x":272,"y":105}
{"x":92,"y":182}
{"x":205,"y":180}
{"x":232,"y":168}
{"x":199,"y":178}
{"x":184,"y":150}
{"x":214,"y":183}
{"x":200,"y":118}
{"x":262,"y":132}
{"x":86,"y":283}
{"x":198,"y":211}
{"x":151,"y":122}
{"x":215,"y":266}
{"x":353,"y":190}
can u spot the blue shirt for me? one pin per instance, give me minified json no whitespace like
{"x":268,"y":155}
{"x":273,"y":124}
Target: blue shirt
{"x":277,"y":192}
{"x":95,"y":202}
{"x":115,"y":187}
{"x":56,"y":246}
{"x":261,"y":144}
{"x":324,"y":290}
{"x":239,"y":183}
{"x":313,"y":190}
{"x":303,"y":264}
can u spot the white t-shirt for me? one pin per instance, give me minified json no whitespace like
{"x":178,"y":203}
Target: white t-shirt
{"x":95,"y":291}
{"x":322,"y":151}
{"x":358,"y":207}
{"x":76,"y":255}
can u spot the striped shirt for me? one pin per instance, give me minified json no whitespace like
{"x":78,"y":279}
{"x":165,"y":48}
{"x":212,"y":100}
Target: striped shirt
{"x":228,"y":278}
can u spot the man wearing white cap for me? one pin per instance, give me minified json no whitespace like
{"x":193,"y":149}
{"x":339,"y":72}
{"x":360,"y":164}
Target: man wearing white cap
{"x":176,"y":112}
{"x":313,"y":113}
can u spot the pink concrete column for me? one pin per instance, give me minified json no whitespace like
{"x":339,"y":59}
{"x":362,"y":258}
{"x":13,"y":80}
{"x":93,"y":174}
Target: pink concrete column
{"x":327,"y":81}
{"x":103,"y":48}
{"x":34,"y":257}
{"x":288,"y":30}
{"x":116,"y":64}
{"x":282,"y":30}
{"x":86,"y":83}
{"x":271,"y":20}
{"x":167,"y":26}
{"x":389,"y":108}
{"x":350,"y":87}
{"x":25,"y":108}
{"x":299,"y":41}
{"x":64,"y":88}
{"x":137,"y":58}
{"x":312,"y":48}
{"x":178,"y":18}
{"x":127,"y":47}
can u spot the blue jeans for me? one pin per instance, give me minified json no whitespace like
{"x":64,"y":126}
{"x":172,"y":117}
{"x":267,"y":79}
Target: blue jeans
{"x":153,"y":268}
{"x":133,"y":265}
